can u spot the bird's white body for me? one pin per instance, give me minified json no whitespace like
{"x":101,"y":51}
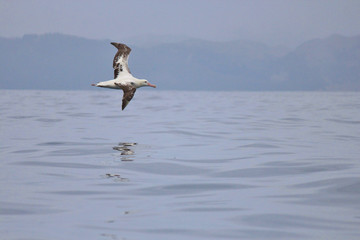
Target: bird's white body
{"x":108,"y":84}
{"x":123,"y":79}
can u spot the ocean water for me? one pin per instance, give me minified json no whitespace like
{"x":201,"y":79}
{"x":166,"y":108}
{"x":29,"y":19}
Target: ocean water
{"x":179,"y":165}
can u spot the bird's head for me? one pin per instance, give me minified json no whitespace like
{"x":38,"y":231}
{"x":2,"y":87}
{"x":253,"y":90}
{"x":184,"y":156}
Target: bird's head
{"x":144,"y":83}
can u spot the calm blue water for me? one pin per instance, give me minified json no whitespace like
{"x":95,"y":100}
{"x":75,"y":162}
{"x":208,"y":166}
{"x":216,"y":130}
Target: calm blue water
{"x":206,"y":165}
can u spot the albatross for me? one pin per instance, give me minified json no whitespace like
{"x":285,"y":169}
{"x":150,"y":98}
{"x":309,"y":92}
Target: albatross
{"x":123,"y":79}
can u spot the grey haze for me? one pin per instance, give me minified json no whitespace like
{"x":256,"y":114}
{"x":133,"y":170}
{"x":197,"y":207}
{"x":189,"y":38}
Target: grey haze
{"x":57,"y":61}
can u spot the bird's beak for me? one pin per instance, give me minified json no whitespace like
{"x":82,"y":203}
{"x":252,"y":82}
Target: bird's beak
{"x":94,"y":84}
{"x":151,"y":85}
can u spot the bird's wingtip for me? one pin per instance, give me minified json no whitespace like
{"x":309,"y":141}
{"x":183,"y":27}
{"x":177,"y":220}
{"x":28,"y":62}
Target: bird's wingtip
{"x":114,"y":44}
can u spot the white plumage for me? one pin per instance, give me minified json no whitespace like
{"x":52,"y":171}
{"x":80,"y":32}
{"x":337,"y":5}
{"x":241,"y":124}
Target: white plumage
{"x":123,"y":79}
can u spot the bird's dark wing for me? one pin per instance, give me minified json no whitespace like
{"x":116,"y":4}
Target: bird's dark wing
{"x":120,"y":62}
{"x":129,"y":93}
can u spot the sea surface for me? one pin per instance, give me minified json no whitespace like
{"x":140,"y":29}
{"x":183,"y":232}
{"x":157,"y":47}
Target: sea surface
{"x":179,"y":165}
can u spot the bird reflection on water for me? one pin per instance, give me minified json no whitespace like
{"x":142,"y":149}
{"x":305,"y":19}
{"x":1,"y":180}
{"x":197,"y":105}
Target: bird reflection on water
{"x":127,"y":151}
{"x":116,"y":177}
{"x":127,"y":154}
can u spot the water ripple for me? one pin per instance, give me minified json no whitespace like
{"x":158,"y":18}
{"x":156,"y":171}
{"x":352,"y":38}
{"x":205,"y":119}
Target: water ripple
{"x":208,"y":165}
{"x":193,"y":188}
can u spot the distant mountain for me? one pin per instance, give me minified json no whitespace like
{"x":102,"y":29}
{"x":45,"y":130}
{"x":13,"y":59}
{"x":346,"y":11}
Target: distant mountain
{"x":53,"y":61}
{"x":56,"y":61}
{"x":332,"y":63}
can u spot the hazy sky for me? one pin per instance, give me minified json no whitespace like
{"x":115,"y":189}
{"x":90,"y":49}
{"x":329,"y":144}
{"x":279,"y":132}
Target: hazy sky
{"x":288,"y":22}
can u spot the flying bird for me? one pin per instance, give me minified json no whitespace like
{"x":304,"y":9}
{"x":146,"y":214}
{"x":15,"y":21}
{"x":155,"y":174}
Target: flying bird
{"x":123,"y":79}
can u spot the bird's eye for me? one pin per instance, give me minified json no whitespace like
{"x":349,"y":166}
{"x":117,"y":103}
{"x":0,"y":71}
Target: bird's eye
{"x":132,"y":83}
{"x":145,"y":81}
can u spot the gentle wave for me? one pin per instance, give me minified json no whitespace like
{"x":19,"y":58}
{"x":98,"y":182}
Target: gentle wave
{"x":180,"y":165}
